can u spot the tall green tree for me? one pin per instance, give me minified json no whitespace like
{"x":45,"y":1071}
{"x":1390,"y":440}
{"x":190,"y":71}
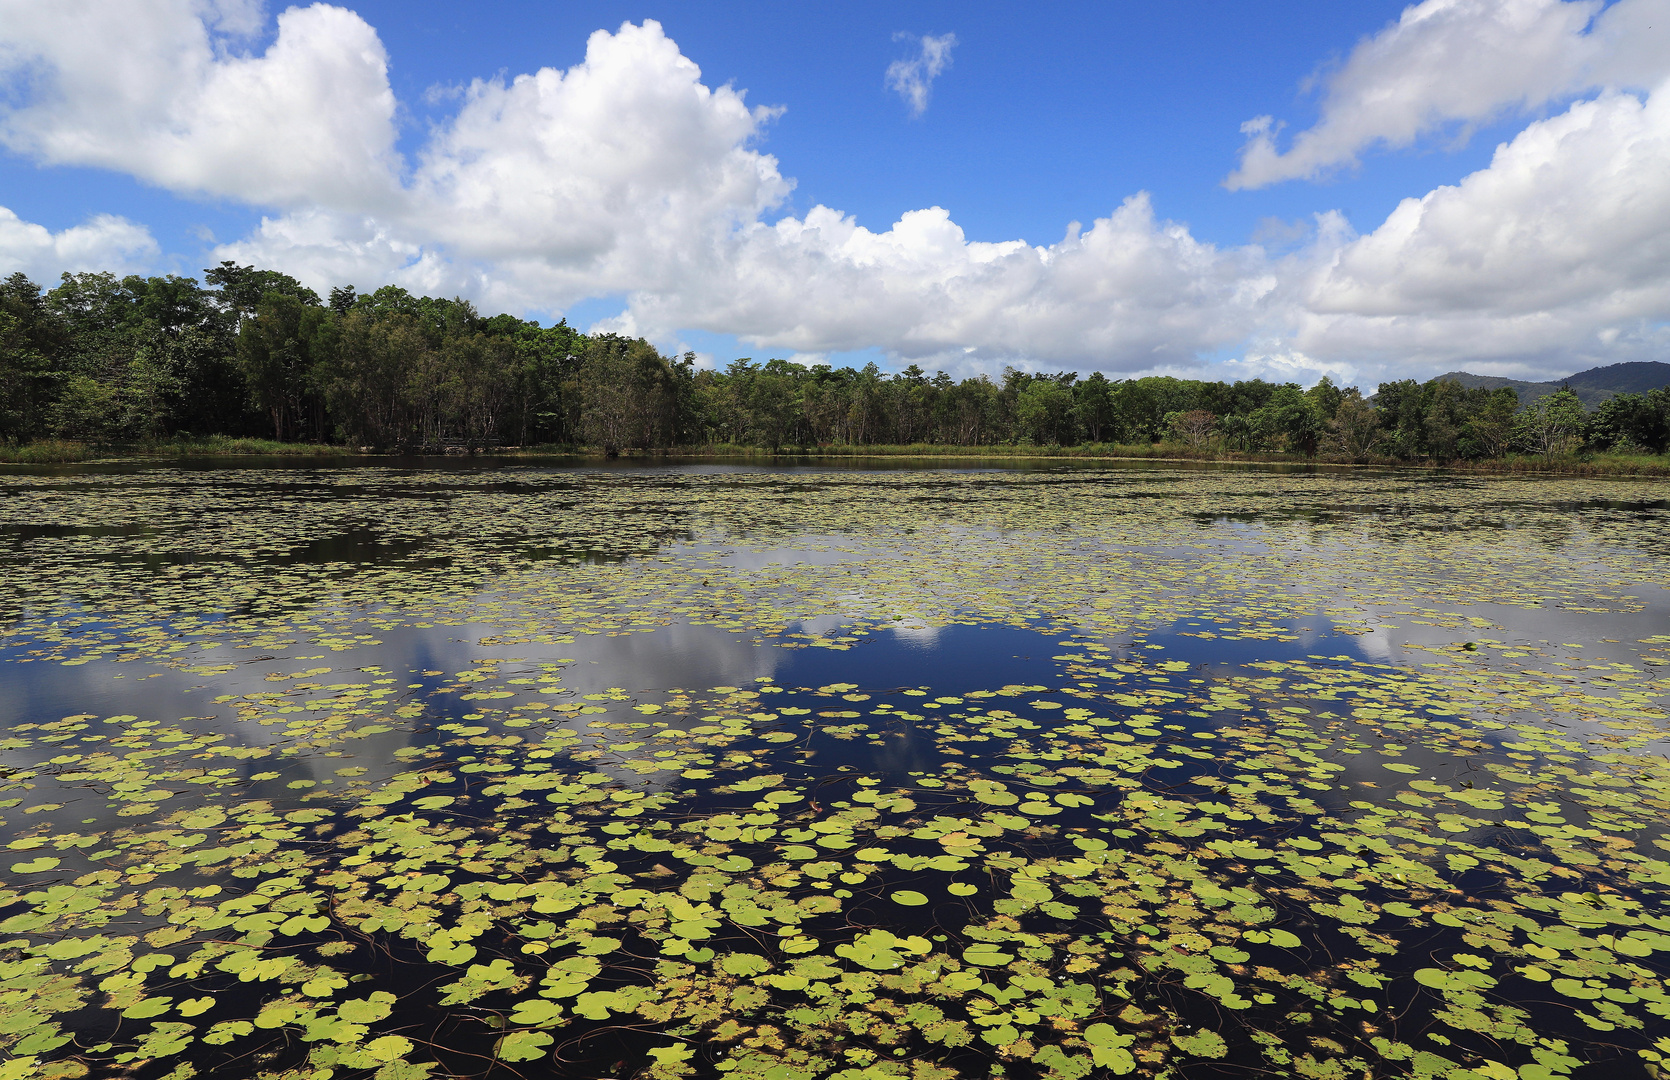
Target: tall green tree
{"x":241,"y":289}
{"x":1044,"y":411}
{"x":365,"y":374}
{"x":1488,"y":425}
{"x":277,"y":350}
{"x":1289,"y":421}
{"x":629,"y":393}
{"x":1093,"y":404}
{"x":1552,"y":425}
{"x":1632,"y":422}
{"x":1355,"y":426}
{"x":31,"y":346}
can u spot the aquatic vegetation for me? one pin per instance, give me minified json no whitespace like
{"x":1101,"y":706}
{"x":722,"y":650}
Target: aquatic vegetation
{"x":1320,"y":776}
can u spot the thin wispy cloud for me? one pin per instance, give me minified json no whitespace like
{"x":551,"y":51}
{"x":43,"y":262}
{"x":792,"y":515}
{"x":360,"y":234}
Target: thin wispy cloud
{"x":914,"y":78}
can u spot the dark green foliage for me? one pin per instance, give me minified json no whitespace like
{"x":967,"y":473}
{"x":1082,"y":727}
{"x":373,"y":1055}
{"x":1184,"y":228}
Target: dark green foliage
{"x":106,"y":359}
{"x":243,"y":288}
{"x":277,"y":350}
{"x":129,"y":358}
{"x":254,"y":352}
{"x":1045,"y":411}
{"x":31,"y":339}
{"x":1551,"y":426}
{"x":1289,"y":421}
{"x":1444,"y":420}
{"x":629,"y":394}
{"x":1638,"y":421}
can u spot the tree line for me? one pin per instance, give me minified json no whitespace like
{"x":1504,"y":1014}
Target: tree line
{"x":249,"y":352}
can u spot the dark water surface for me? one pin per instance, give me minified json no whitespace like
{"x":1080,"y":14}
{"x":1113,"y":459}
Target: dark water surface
{"x":452,"y":768}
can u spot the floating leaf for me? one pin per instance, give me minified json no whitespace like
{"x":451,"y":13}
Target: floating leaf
{"x":523,"y":1046}
{"x":35,"y":866}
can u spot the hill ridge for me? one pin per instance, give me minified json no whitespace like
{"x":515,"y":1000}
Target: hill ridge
{"x":1592,"y":386}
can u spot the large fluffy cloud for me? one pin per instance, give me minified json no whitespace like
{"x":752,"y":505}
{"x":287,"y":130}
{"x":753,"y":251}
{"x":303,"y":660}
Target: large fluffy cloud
{"x":1448,"y":62}
{"x":158,"y":90}
{"x":624,"y":172}
{"x":608,"y":170}
{"x":1129,"y":293}
{"x":1560,"y":248}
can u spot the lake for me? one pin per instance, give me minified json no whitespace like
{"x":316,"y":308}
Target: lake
{"x":468,"y":768}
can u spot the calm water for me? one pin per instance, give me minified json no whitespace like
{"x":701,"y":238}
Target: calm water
{"x":447,"y":768}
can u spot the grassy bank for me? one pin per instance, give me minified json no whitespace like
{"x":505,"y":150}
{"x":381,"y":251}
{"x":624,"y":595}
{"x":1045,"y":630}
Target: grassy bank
{"x":59,"y":451}
{"x":65,"y":451}
{"x":1579,"y":465}
{"x":1604,"y":464}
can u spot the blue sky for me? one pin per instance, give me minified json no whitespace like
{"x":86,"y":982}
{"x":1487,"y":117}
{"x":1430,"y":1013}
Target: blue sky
{"x":1043,"y":116}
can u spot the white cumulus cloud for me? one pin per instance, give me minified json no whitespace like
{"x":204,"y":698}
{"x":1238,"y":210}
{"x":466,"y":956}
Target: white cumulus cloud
{"x":1130,"y":293}
{"x":1559,"y":249}
{"x":570,"y":166}
{"x":162,"y":91}
{"x":1445,"y":63}
{"x":103,"y":242}
{"x":623,"y":172}
{"x":913,"y":78}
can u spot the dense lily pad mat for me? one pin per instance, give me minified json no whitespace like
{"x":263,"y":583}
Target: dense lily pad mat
{"x":1318,"y":777}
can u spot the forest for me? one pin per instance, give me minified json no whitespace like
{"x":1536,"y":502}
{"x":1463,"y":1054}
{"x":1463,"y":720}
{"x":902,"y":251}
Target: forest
{"x":249,"y":352}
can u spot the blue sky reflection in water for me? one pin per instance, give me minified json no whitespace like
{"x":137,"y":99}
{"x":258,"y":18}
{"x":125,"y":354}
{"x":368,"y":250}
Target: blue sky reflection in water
{"x":815,"y":773}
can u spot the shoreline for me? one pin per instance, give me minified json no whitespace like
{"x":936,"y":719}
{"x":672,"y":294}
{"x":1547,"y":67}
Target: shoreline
{"x":74,"y":453}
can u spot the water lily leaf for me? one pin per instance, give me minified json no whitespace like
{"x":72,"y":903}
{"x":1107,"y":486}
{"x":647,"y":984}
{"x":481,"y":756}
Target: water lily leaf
{"x":35,"y":866}
{"x":671,"y":1055}
{"x":449,"y":952}
{"x":148,"y":1007}
{"x":909,"y":898}
{"x":536,"y":1012}
{"x":985,"y":955}
{"x":1206,"y":1044}
{"x":744,"y":964}
{"x":387,"y":1048}
{"x":367,"y":1010}
{"x":1282,"y":939}
{"x":880,"y":950}
{"x":523,"y":1046}
{"x":1108,"y":1049}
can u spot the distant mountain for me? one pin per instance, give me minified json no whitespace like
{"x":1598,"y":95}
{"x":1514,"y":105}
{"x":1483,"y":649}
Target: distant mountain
{"x":1529,"y":392}
{"x":1591,"y":387}
{"x":1635,"y":378}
